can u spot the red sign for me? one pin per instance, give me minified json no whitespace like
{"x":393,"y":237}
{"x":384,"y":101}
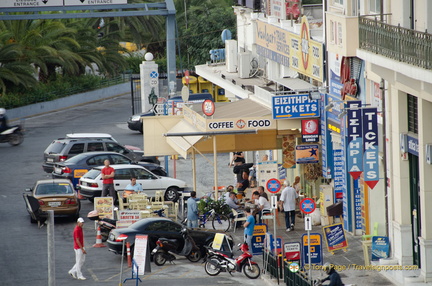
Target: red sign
{"x":307,"y":205}
{"x":208,"y":107}
{"x":310,"y":130}
{"x":292,"y":251}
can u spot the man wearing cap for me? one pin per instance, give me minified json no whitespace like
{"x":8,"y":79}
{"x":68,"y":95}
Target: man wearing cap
{"x":288,"y":200}
{"x":80,"y":251}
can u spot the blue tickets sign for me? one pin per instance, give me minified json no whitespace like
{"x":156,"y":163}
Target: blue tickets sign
{"x":370,"y":146}
{"x":294,"y":106}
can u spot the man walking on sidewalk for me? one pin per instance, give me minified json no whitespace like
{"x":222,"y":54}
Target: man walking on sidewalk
{"x":288,"y":199}
{"x":80,"y":251}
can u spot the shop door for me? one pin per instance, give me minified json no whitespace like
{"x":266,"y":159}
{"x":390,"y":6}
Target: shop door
{"x":415,"y":207}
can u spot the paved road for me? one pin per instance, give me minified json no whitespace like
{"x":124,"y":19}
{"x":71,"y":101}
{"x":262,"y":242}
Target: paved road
{"x":23,"y":252}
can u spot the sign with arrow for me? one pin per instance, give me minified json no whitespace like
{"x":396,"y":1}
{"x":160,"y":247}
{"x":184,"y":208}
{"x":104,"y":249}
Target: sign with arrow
{"x":294,"y":106}
{"x":30,"y":3}
{"x":93,"y":2}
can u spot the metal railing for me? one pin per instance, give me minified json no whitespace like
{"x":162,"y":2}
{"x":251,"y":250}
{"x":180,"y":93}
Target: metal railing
{"x":277,"y":268}
{"x":401,"y":44}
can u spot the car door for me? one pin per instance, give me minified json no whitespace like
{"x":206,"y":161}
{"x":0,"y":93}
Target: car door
{"x":122,"y":178}
{"x":114,"y":147}
{"x":149,"y":182}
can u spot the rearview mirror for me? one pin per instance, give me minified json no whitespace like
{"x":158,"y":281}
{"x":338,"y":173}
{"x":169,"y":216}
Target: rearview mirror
{"x":29,"y":190}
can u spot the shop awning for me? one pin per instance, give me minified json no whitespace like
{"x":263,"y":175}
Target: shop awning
{"x":182,"y":144}
{"x":295,"y":84}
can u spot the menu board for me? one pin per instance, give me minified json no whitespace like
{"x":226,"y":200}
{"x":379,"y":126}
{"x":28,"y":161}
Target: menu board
{"x":142,"y":254}
{"x":105,"y":207}
{"x":335,"y":237}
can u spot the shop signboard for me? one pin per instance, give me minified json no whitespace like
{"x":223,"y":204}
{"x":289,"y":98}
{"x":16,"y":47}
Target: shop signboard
{"x":294,"y":106}
{"x":292,"y":251}
{"x":142,"y":254}
{"x":316,"y":251}
{"x":310,"y":130}
{"x":307,"y":154}
{"x":127,"y":217}
{"x":326,"y":145}
{"x":338,"y":174}
{"x":370,"y":146}
{"x":104,"y":207}
{"x":258,"y":238}
{"x":357,"y":205}
{"x":335,"y":237}
{"x":413,"y":145}
{"x":355,"y":139}
{"x":30,"y":3}
{"x":380,"y":247}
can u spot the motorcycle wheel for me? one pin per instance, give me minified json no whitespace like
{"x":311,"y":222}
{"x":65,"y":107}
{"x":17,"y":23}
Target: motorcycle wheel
{"x":16,"y":138}
{"x":221,"y":222}
{"x":251,"y":271}
{"x":194,"y":256}
{"x":210,"y":266}
{"x":159,"y":259}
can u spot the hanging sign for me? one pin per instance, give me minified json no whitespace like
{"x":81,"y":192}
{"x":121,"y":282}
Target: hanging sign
{"x":355,"y":139}
{"x":370,"y":146}
{"x":310,"y":130}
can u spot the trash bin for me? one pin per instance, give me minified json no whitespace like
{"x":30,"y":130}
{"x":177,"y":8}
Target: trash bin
{"x":335,"y":209}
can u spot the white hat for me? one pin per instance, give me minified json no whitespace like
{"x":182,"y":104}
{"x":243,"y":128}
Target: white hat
{"x":80,"y":219}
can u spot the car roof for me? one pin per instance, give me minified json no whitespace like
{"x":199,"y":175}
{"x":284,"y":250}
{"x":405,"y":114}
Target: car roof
{"x":47,"y":181}
{"x":89,"y":135}
{"x":121,"y":166}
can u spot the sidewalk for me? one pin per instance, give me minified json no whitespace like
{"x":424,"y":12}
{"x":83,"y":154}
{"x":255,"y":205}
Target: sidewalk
{"x":353,"y":255}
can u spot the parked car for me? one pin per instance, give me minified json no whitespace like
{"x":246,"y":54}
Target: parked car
{"x":73,"y":144}
{"x":73,"y":168}
{"x":90,"y":184}
{"x":135,"y":122}
{"x":161,"y":227}
{"x":57,"y":195}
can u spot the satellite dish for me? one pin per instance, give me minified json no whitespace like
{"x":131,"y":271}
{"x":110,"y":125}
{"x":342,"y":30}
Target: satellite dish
{"x":226,"y":35}
{"x":185,"y":93}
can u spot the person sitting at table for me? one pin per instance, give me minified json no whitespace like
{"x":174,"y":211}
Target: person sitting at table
{"x":263,"y":205}
{"x":132,"y":188}
{"x":231,"y":201}
{"x":244,"y":184}
{"x":225,"y":196}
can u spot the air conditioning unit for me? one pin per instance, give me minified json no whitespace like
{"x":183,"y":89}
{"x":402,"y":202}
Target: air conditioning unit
{"x":231,"y":55}
{"x":244,"y":65}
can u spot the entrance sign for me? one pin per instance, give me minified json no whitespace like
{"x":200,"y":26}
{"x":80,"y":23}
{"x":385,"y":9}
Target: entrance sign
{"x":294,"y":106}
{"x":91,"y":2}
{"x":335,"y":237}
{"x":273,"y":185}
{"x":30,"y":3}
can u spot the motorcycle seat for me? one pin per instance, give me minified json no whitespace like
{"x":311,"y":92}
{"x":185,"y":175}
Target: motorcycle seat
{"x":171,"y":240}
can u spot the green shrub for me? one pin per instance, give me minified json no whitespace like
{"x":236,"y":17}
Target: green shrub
{"x":206,"y":205}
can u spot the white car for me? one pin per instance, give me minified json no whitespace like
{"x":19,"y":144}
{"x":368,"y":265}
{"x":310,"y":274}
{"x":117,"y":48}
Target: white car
{"x":90,"y":184}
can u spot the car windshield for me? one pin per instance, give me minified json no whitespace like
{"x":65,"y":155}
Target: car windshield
{"x":92,"y":174}
{"x":55,"y":147}
{"x":54,"y":189}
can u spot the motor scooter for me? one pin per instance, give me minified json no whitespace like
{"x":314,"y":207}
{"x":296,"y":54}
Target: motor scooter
{"x":217,"y":261}
{"x":13,"y":135}
{"x":106,"y":224}
{"x":165,"y":248}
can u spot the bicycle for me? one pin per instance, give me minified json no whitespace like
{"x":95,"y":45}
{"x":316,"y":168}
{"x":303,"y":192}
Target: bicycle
{"x":218,"y":221}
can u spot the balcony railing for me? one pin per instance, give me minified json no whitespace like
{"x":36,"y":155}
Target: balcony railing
{"x":401,"y":44}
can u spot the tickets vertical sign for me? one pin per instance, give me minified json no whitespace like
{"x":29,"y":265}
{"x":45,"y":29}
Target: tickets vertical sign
{"x":370,"y":146}
{"x":355,"y":139}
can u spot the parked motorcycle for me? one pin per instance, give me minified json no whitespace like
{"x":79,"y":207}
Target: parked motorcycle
{"x":105,"y":224}
{"x":165,"y":248}
{"x":13,"y":135}
{"x":218,"y":261}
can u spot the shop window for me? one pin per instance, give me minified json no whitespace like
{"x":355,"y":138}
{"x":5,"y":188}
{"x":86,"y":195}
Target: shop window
{"x":412,"y":114}
{"x":375,"y":6}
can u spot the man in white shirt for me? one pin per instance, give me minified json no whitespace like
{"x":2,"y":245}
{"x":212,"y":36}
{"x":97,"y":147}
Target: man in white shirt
{"x":288,"y":200}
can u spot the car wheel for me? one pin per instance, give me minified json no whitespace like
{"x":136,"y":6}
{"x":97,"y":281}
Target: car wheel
{"x":171,"y":194}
